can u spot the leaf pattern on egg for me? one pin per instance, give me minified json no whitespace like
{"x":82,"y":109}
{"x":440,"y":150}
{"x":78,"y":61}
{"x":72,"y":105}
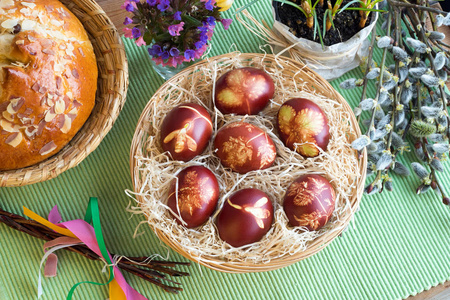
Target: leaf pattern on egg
{"x":234,"y":95}
{"x":267,"y":152}
{"x":309,"y":121}
{"x":308,"y":150}
{"x":285,"y":117}
{"x":302,"y":196}
{"x":255,"y":86}
{"x":305,"y":194}
{"x":247,"y":126}
{"x":182,"y":139}
{"x":228,"y":98}
{"x":193,"y":193}
{"x":237,"y":151}
{"x":301,"y":128}
{"x":311,"y":220}
{"x":257,"y":211}
{"x":241,"y":82}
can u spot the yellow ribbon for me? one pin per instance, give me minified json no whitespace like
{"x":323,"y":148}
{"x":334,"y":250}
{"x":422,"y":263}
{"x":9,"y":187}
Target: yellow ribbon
{"x":115,"y":291}
{"x":41,"y":220}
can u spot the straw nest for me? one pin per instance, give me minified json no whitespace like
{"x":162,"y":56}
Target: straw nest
{"x":111,"y":94}
{"x":152,"y":170}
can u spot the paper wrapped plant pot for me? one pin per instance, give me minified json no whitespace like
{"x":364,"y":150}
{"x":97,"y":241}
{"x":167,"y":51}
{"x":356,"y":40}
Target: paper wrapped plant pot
{"x":330,"y":62}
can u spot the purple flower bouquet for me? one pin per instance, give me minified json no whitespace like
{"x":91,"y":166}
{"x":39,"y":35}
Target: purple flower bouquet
{"x":176,"y":31}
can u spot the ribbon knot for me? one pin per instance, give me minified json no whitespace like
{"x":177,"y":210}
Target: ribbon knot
{"x":78,"y":232}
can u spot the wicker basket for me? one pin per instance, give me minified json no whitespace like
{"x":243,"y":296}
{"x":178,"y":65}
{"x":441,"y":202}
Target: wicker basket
{"x":111,"y":94}
{"x":289,"y":69}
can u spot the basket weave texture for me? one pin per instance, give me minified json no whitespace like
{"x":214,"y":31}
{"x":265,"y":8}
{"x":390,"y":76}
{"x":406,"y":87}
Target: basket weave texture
{"x":142,"y":153}
{"x":111,"y":94}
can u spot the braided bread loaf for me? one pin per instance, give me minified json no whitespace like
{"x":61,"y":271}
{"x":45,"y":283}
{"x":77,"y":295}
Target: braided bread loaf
{"x":48,"y":80}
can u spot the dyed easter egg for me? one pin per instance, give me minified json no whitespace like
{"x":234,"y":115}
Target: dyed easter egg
{"x":245,"y":217}
{"x":302,"y":122}
{"x":309,"y":201}
{"x":244,"y":147}
{"x":186,"y":131}
{"x":243,"y":91}
{"x":198,"y":192}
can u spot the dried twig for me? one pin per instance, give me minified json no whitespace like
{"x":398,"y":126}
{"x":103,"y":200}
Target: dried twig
{"x":154,"y":271}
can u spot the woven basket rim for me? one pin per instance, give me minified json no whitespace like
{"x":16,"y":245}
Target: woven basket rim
{"x":110,"y":99}
{"x":240,"y":267}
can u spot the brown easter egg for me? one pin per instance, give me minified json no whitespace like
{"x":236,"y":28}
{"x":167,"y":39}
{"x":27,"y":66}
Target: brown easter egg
{"x":198,"y":192}
{"x":309,"y":201}
{"x":302,"y":122}
{"x":186,"y":131}
{"x":243,"y":91}
{"x":244,"y":147}
{"x":245,"y":218}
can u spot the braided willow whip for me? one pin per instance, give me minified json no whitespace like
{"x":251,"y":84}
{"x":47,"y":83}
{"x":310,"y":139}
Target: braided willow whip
{"x":153,"y":271}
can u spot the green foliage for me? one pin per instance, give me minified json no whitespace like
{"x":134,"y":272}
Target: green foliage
{"x":308,"y":8}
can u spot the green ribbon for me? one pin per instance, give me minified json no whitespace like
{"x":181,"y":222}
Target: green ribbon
{"x":93,"y":217}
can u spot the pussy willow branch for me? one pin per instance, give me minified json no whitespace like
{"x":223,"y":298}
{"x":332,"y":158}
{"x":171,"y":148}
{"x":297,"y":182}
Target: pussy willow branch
{"x":368,"y":65}
{"x":433,"y":177}
{"x":396,"y":88}
{"x":420,"y":32}
{"x":443,"y":44}
{"x":432,"y":17}
{"x":418,"y":7}
{"x":439,"y":186}
{"x":380,"y":84}
{"x":416,"y":18}
{"x":424,"y":13}
{"x":152,"y":271}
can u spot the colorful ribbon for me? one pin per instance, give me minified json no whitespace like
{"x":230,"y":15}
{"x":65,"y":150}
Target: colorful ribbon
{"x":76,"y":232}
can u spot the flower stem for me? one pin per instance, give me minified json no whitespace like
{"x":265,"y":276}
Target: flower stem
{"x":191,"y":21}
{"x":163,"y":37}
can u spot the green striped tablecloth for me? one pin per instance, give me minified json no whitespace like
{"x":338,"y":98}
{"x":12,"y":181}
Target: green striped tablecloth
{"x":398,"y":244}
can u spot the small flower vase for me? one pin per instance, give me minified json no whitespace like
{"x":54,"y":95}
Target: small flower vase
{"x":167,"y":72}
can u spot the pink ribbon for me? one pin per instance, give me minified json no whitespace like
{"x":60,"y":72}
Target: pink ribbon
{"x":51,"y":264}
{"x":85,"y":234}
